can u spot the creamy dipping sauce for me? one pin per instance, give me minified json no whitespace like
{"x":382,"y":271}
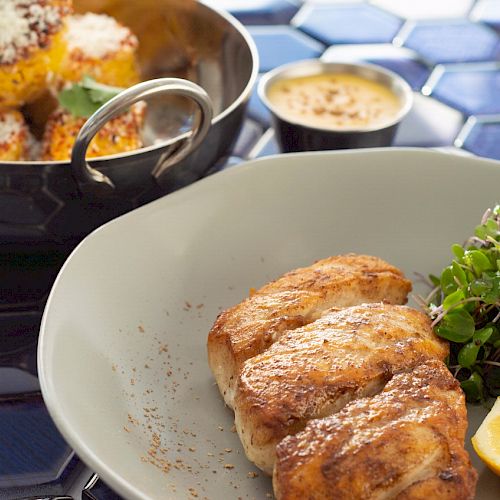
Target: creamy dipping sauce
{"x":334,"y":101}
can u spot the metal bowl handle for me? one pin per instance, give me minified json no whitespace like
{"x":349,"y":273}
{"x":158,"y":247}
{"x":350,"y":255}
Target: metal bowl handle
{"x":91,"y":179}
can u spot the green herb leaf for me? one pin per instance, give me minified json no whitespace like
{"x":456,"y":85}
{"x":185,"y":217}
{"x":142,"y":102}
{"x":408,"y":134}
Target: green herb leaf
{"x":85,"y":98}
{"x":458,"y":326}
{"x":465,"y":309}
{"x":482,"y":336}
{"x":473,"y":387}
{"x":468,"y":354}
{"x":458,"y":251}
{"x":453,"y":299}
{"x":448,"y":283}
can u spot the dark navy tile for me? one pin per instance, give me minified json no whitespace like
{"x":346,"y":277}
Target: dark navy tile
{"x":347,"y":23}
{"x":17,"y":381}
{"x":402,"y":61}
{"x":257,"y":110}
{"x":482,"y":138}
{"x":96,"y":489}
{"x":452,"y":41}
{"x":32,"y":451}
{"x":260,"y":11}
{"x":487,"y":11}
{"x":473,"y":90}
{"x":282,"y":44}
{"x":18,"y":340}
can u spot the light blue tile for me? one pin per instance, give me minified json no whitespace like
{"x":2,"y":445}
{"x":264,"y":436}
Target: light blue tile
{"x":429,"y":124}
{"x":347,"y":23}
{"x":404,"y":62}
{"x":487,"y":11}
{"x":483,"y":137}
{"x":260,"y":11}
{"x":279,"y":45}
{"x":453,"y":41}
{"x":469,"y":88}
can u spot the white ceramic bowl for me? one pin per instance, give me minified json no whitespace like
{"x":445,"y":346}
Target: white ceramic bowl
{"x":122,"y":353}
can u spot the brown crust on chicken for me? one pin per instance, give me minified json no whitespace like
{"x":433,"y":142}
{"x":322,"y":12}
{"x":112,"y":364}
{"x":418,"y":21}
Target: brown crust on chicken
{"x":404,"y":443}
{"x":315,"y":370}
{"x":294,"y":300}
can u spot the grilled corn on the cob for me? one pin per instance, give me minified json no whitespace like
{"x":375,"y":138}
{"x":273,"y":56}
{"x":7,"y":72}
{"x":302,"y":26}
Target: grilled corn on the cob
{"x":100,"y":47}
{"x":119,"y":135}
{"x":14,"y":136}
{"x":31,"y":47}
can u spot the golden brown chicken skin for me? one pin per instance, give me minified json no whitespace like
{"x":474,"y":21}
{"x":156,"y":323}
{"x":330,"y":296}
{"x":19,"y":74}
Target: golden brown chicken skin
{"x":315,"y":370}
{"x":405,"y":443}
{"x":296,"y":299}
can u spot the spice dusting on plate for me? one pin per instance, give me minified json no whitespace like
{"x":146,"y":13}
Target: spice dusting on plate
{"x":334,"y":101}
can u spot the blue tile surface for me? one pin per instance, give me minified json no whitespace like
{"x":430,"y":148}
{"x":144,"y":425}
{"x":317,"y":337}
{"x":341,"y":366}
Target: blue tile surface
{"x":349,"y":23}
{"x":282,"y":44}
{"x":257,"y":110}
{"x":484,"y":140}
{"x":470,"y":90}
{"x":414,"y":72}
{"x":454,"y":41}
{"x":31,"y":449}
{"x":260,"y":11}
{"x":403,"y":61}
{"x":267,"y":146}
{"x":488,"y":11}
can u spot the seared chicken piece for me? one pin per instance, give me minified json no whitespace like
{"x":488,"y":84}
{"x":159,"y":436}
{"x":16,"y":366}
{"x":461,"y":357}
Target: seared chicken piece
{"x":315,"y":370}
{"x":296,"y":299}
{"x":405,"y":443}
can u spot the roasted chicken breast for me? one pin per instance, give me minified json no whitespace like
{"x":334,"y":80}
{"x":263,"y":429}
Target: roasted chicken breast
{"x":294,"y":300}
{"x":407,"y":442}
{"x":315,"y":370}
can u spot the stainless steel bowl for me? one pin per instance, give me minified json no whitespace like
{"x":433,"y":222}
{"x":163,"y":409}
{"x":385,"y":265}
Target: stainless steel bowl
{"x":294,"y":136}
{"x":55,"y":204}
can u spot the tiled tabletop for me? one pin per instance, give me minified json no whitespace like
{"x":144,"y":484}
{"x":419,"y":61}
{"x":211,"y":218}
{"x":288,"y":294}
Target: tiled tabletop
{"x":448,"y":51}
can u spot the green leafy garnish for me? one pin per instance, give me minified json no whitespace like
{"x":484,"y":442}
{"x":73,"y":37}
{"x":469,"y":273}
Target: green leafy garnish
{"x":465,"y":309}
{"x":84,"y":98}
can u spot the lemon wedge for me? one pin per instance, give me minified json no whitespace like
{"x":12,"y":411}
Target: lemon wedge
{"x":486,"y":441}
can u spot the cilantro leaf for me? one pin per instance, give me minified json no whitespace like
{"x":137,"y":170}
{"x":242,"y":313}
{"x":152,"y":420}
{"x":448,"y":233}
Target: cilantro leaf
{"x":84,"y":98}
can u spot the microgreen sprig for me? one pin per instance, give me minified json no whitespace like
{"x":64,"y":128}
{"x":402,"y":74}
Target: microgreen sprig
{"x":464,"y":306}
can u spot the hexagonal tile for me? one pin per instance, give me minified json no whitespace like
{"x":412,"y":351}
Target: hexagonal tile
{"x":471,"y":88}
{"x":268,"y":145}
{"x":481,"y":136}
{"x":256,"y":108}
{"x":451,"y":41}
{"x":402,"y":61}
{"x":248,"y":137}
{"x":282,"y":44}
{"x":488,"y":12}
{"x":259,"y":11}
{"x":27,"y":276}
{"x":427,"y":9}
{"x":32,"y":451}
{"x":347,"y":23}
{"x":16,"y":381}
{"x":429,"y":124}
